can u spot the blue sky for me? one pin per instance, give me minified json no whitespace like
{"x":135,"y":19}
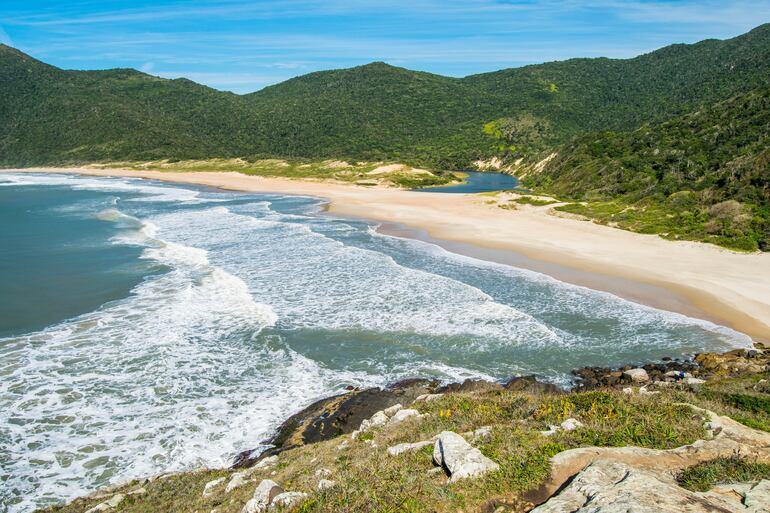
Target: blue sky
{"x":243,"y":46}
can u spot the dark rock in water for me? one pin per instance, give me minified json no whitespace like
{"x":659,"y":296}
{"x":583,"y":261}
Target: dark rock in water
{"x":470,"y":385}
{"x":530,"y":384}
{"x":334,"y":416}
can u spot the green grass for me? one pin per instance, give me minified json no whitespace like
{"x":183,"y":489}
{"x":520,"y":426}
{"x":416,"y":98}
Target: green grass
{"x":358,"y":172}
{"x":371,"y":480}
{"x":704,"y":476}
{"x":536,"y":202}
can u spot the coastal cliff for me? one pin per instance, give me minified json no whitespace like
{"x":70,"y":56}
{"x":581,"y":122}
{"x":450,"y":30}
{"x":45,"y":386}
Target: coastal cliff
{"x":678,"y":435}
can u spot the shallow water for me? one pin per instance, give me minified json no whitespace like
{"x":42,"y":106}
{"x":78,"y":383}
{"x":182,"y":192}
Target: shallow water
{"x":167,"y":327}
{"x":476,"y":182}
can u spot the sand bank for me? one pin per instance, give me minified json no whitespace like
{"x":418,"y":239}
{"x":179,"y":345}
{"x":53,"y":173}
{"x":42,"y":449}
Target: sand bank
{"x":696,"y":279}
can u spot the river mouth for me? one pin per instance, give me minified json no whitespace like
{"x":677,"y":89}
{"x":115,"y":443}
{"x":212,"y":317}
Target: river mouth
{"x":478,"y":181}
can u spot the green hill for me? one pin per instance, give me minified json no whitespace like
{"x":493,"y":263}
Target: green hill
{"x":702,"y":176}
{"x":372,"y":112}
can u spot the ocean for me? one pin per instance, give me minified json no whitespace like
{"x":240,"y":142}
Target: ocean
{"x":148,"y":327}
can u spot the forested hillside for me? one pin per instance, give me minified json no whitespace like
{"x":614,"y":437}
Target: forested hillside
{"x":702,"y":176}
{"x":372,"y":112}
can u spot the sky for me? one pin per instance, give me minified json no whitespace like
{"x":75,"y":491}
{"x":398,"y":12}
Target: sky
{"x":243,"y":46}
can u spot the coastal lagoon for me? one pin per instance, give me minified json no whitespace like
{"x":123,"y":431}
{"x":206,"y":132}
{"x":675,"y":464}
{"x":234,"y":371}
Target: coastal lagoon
{"x":149,"y":327}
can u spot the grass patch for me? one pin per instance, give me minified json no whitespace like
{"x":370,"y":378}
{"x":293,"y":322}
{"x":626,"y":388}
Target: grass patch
{"x":704,"y":476}
{"x":356,"y":172}
{"x":535,"y":202}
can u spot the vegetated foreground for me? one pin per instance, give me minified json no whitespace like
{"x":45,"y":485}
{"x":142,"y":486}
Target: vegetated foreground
{"x":523,"y":432}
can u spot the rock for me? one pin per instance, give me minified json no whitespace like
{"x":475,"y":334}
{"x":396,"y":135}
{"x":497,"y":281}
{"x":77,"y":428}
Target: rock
{"x":644,"y":391}
{"x":459,"y":458}
{"x":325,"y":484}
{"x":628,"y":391}
{"x":99,"y":507}
{"x":636,"y":375}
{"x":138,"y":491}
{"x":402,"y":415}
{"x":376,"y":420}
{"x":758,"y":497}
{"x":693,"y":381}
{"x":428,"y":397}
{"x":236,"y":480}
{"x":611,"y":487}
{"x":264,"y":495}
{"x":530,"y":384}
{"x":334,"y":416}
{"x":550,"y":431}
{"x":323,"y":472}
{"x":402,"y":448}
{"x":471,"y":385}
{"x":115,"y":500}
{"x":392,"y":410}
{"x":287,"y":499}
{"x":677,"y":374}
{"x":571,"y":424}
{"x":208,"y":487}
{"x":343,"y":445}
{"x":484,"y":432}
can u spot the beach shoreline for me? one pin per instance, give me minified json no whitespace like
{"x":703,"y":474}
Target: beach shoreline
{"x":691,"y":278}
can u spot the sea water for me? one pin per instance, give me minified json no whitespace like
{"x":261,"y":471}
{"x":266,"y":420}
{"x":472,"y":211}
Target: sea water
{"x":149,"y":328}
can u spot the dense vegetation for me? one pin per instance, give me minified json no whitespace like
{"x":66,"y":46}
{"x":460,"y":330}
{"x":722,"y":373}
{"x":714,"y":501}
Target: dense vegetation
{"x":372,"y":112}
{"x":702,"y":176}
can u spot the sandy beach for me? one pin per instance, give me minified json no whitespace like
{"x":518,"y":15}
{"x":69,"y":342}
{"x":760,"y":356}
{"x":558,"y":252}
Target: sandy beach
{"x":692,"y":278}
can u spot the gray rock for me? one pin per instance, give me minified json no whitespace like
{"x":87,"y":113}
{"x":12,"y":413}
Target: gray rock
{"x":459,"y":458}
{"x":611,"y":487}
{"x":571,"y":424}
{"x":402,"y":415}
{"x":376,"y":420}
{"x":402,"y":448}
{"x":343,"y":445}
{"x":637,"y":375}
{"x":757,"y":499}
{"x":115,"y":500}
{"x":263,"y":496}
{"x":208,"y":487}
{"x":392,"y":410}
{"x":325,"y":484}
{"x":287,"y":499}
{"x":428,"y":397}
{"x":693,"y":381}
{"x":236,"y":480}
{"x":323,"y":472}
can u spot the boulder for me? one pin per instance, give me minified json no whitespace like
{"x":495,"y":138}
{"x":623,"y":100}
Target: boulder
{"x":428,"y":397}
{"x":325,"y":484}
{"x":530,"y":384}
{"x":471,"y":385}
{"x":571,"y":424}
{"x":402,"y":415}
{"x":376,"y":420}
{"x":392,"y":409}
{"x":238,"y":479}
{"x":459,"y":458}
{"x":263,"y":496}
{"x":287,"y":499}
{"x":611,"y":487}
{"x":636,"y":375}
{"x":208,"y":487}
{"x":402,"y":448}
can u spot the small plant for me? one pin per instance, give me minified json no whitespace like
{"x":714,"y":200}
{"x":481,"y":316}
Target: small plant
{"x":704,"y":476}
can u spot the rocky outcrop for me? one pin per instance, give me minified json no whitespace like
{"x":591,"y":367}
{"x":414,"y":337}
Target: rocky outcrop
{"x":730,"y":438}
{"x":607,"y":486}
{"x":459,"y":458}
{"x":689,"y":372}
{"x":335,"y":416}
{"x":263,"y":497}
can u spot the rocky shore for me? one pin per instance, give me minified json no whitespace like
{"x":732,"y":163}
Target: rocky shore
{"x":621,"y":439}
{"x":342,"y":414}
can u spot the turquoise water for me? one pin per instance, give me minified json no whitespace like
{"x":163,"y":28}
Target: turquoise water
{"x":151,"y":328}
{"x":479,"y":182}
